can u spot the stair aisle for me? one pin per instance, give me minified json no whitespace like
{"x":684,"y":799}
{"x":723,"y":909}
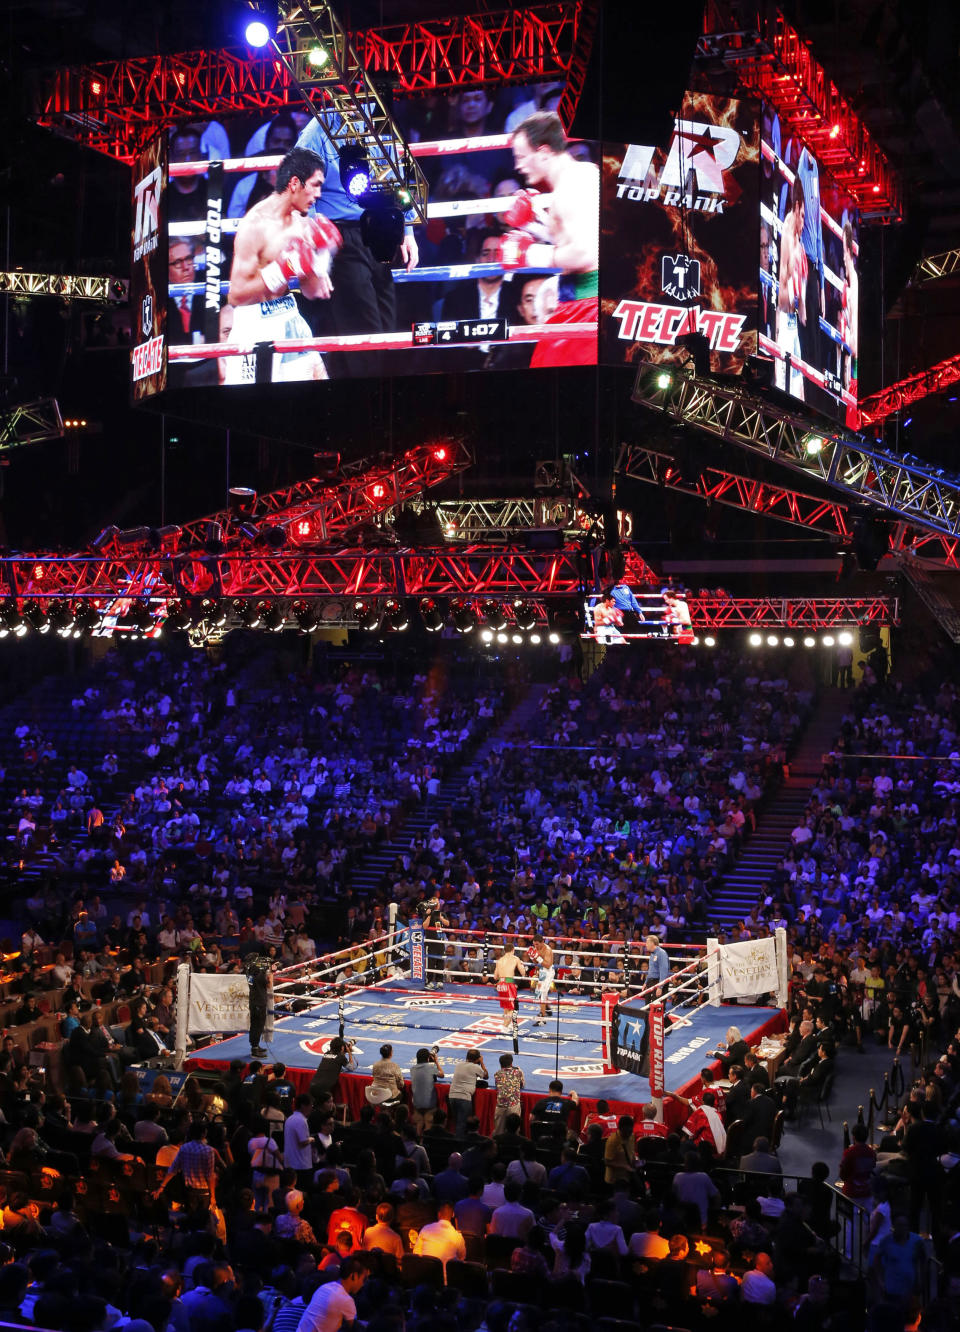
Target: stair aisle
{"x":743,"y":885}
{"x":367,"y":873}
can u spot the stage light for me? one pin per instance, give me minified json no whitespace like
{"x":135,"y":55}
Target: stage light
{"x":332,"y":612}
{"x":494,"y":614}
{"x":788,"y":642}
{"x":106,"y":538}
{"x":464,"y":615}
{"x":535,"y":639}
{"x":834,"y":131}
{"x":302,"y":529}
{"x":814,"y":444}
{"x":61,"y":618}
{"x":404,"y":197}
{"x":755,"y":640}
{"x":809,"y":641}
{"x":273,"y":617}
{"x":36,"y":617}
{"x":368,"y":615}
{"x":317,"y":56}
{"x":503,"y":638}
{"x":96,"y":87}
{"x":274,"y":537}
{"x":663,"y":380}
{"x":250,"y":613}
{"x":214,"y":612}
{"x":381,"y":228}
{"x":396,"y":617}
{"x":214,"y":543}
{"x":828,"y":640}
{"x":141,"y":617}
{"x":354,"y":170}
{"x":772,"y":640}
{"x":517,"y":638}
{"x":242,"y":501}
{"x":710,"y":641}
{"x":177,"y":617}
{"x":306,"y":615}
{"x":440,"y":453}
{"x":86,"y":617}
{"x":262,"y":25}
{"x":554,"y":638}
{"x":486,"y":636}
{"x":431,"y":615}
{"x":524,"y":615}
{"x":845,"y":639}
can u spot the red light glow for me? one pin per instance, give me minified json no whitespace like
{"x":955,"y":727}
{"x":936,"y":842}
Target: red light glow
{"x":378,"y":491}
{"x":440,"y":454}
{"x":303,"y":527}
{"x":38,"y":572}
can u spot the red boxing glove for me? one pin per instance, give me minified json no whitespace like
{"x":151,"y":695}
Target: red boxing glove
{"x":521,"y":211}
{"x":289,"y":266}
{"x":518,"y":250}
{"x":321,"y":233}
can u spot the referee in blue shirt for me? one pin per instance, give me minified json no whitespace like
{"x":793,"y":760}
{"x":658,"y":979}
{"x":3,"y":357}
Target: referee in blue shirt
{"x":658,"y":973}
{"x":363,"y":300}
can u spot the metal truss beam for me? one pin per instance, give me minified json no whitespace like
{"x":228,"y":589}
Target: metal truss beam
{"x":738,"y":492}
{"x":921,"y":496}
{"x":588,"y":16}
{"x":912,"y":389}
{"x":115,"y":106}
{"x":791,"y":612}
{"x":770,"y":57}
{"x":320,"y":508}
{"x":936,"y":266}
{"x":486,"y":519}
{"x":103,"y":290}
{"x":30,"y":422}
{"x":468,"y":573}
{"x":343,"y":96}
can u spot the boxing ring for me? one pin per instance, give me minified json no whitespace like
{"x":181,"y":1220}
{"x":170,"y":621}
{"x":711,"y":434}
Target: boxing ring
{"x":371,"y":995}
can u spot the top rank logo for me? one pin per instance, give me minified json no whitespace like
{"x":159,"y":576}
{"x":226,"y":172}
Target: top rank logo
{"x":146,"y":219}
{"x":698,"y":156}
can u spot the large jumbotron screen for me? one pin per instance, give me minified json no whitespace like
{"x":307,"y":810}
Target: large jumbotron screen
{"x":506,"y":267}
{"x":808,"y":275}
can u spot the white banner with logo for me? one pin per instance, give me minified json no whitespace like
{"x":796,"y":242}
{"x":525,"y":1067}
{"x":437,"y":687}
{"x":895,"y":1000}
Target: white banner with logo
{"x":748,"y":969}
{"x":218,"y":1003}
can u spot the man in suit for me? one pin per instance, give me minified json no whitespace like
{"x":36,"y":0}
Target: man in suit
{"x":484,"y":298}
{"x":737,"y":1096}
{"x":758,"y":1114}
{"x":804,"y":1053}
{"x":761,"y":1160}
{"x":185,"y":316}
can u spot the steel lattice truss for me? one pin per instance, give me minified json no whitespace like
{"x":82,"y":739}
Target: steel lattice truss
{"x":104,"y":290}
{"x":30,"y":422}
{"x":811,"y":512}
{"x":116,"y":106}
{"x":770,"y":57}
{"x":468,"y":573}
{"x":906,"y":391}
{"x":483,"y":519}
{"x":588,"y":15}
{"x":502,"y":47}
{"x":738,"y":492}
{"x":936,"y":266}
{"x":319,"y":508}
{"x":915,"y":493}
{"x":343,"y":95}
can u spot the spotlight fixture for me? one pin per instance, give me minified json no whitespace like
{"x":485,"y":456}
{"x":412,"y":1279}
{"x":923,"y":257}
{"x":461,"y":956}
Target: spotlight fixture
{"x":809,"y":641}
{"x":772,"y":640}
{"x":553,"y":638}
{"x":61,"y":618}
{"x":214,"y":543}
{"x":524,"y":615}
{"x":36,"y":617}
{"x":86,"y":617}
{"x":709,"y":641}
{"x":213,"y":612}
{"x":755,"y":640}
{"x":177,"y":617}
{"x":381,"y":227}
{"x":516,"y":638}
{"x":503,"y":638}
{"x":396,"y":617}
{"x":494,"y":614}
{"x":273,"y":617}
{"x":317,"y":56}
{"x":249,"y":613}
{"x":788,"y":641}
{"x":261,"y":27}
{"x":242,"y":501}
{"x":354,"y":170}
{"x":828,"y":640}
{"x":274,"y":537}
{"x":664,"y":380}
{"x":141,"y":617}
{"x":535,"y":639}
{"x":106,"y":538}
{"x":813,"y":445}
{"x":306,"y":615}
{"x":487,"y":636}
{"x":845,"y":639}
{"x":431,"y":615}
{"x":464,"y":615}
{"x":368,"y":615}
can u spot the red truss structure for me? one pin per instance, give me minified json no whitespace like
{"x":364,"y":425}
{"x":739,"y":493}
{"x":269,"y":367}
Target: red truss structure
{"x":770,"y":57}
{"x":468,"y":572}
{"x":811,"y":512}
{"x":321,"y":508}
{"x":115,"y":106}
{"x":906,"y":391}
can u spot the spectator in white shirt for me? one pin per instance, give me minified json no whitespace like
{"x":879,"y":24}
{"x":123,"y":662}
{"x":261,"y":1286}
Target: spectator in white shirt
{"x":511,"y":1218}
{"x":298,"y":1141}
{"x":441,"y":1238}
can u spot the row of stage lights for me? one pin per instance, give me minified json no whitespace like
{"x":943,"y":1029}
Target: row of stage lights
{"x":844,"y":639}
{"x":497,"y":621}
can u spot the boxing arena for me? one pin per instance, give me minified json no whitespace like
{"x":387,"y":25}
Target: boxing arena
{"x":377,"y":994}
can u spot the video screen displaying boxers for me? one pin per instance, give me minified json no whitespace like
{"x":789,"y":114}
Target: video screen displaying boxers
{"x":809,"y":289}
{"x":271,"y":285}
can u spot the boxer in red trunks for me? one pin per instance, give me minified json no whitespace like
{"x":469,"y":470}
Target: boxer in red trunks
{"x":507,"y":968}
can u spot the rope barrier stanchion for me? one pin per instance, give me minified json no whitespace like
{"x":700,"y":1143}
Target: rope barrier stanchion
{"x":340,"y":1017}
{"x":846,"y":1135}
